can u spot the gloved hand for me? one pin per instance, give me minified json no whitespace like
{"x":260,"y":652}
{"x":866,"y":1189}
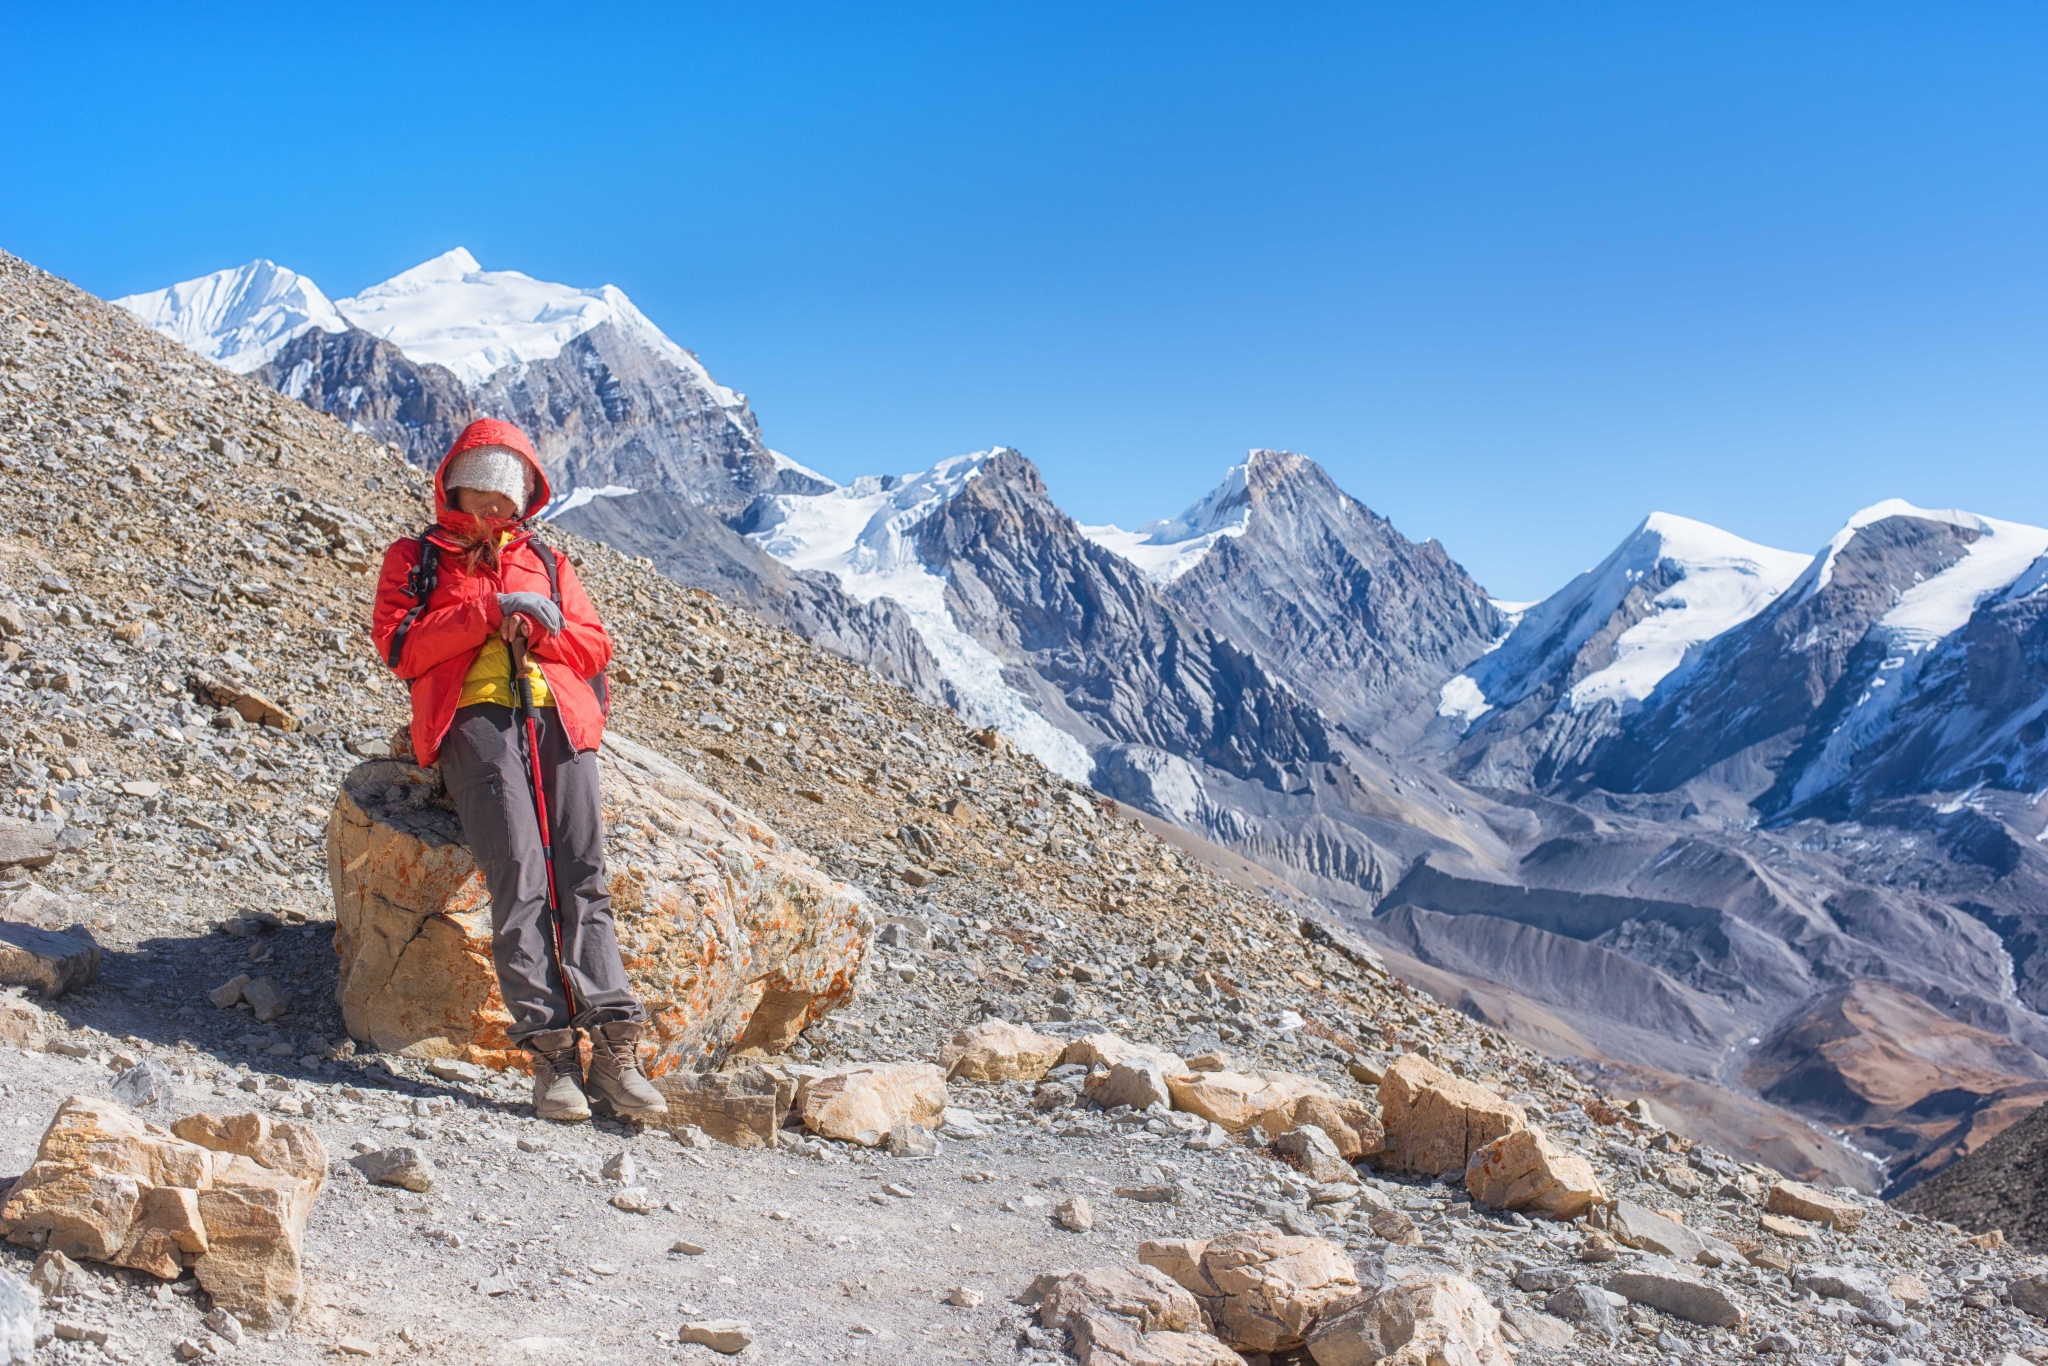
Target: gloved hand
{"x":537,"y":608}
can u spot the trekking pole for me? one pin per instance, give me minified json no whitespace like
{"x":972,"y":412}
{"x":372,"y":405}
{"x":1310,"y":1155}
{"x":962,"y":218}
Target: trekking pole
{"x":529,"y":735}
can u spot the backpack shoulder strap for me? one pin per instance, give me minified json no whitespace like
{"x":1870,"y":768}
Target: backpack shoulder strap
{"x":548,"y":562}
{"x":419,"y":586}
{"x":600,"y":686}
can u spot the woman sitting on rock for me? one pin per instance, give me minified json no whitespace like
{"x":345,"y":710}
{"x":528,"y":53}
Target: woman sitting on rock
{"x":458,"y":608}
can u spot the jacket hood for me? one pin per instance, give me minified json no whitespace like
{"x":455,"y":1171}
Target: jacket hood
{"x":488,"y":431}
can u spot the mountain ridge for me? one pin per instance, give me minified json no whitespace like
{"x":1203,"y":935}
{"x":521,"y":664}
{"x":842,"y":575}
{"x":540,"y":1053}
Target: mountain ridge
{"x":1679,"y":749}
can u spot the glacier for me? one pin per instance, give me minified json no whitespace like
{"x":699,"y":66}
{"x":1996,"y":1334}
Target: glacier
{"x":863,"y":535}
{"x":1168,"y":548}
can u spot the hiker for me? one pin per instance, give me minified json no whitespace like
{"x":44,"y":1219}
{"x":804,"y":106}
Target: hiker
{"x":492,"y":598}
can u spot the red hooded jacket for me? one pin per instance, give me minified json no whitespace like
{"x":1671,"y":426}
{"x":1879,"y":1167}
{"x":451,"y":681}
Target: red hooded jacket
{"x":462,"y":613}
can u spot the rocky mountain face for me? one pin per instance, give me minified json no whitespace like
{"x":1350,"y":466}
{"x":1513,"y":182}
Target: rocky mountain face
{"x":1023,"y":580}
{"x":1164,"y":712}
{"x":2002,"y":1186}
{"x":371,"y":386}
{"x":1973,"y":717}
{"x":1331,"y":599}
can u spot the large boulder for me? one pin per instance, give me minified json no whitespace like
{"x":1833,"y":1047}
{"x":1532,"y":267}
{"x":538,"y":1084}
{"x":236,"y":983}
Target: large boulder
{"x":25,"y":845}
{"x":1278,"y":1102}
{"x":1435,"y":1121}
{"x":225,"y":1195}
{"x":1440,"y":1320}
{"x":996,"y":1050}
{"x":1264,"y":1291}
{"x":1525,"y":1171}
{"x":1802,"y":1201}
{"x":861,"y":1103}
{"x":1131,"y":1317}
{"x":45,"y":960}
{"x":1632,"y":1225}
{"x":1676,"y":1293}
{"x":1107,"y":1050}
{"x":732,"y":939}
{"x":22,"y":1024}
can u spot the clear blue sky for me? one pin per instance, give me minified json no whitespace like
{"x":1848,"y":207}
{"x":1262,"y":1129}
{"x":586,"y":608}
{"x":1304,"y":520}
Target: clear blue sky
{"x":1517,"y":274}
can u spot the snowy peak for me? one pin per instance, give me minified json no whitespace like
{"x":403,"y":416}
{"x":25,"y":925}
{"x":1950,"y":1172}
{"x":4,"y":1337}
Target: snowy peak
{"x":448,"y":311}
{"x":1720,"y":581}
{"x":1822,"y":571}
{"x":1672,"y":585}
{"x":1997,"y":555}
{"x":240,"y":318}
{"x":452,"y":312}
{"x":1168,"y":548}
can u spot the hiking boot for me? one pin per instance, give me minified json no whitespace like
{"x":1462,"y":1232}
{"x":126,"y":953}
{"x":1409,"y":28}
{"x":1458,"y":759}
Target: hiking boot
{"x":558,"y":1077}
{"x":616,"y":1086}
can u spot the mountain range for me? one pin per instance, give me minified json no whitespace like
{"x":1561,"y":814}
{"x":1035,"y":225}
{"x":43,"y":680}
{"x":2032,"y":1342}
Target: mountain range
{"x":1755,"y":824}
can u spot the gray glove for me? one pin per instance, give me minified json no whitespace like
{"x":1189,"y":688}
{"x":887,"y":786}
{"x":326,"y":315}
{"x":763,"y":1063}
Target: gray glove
{"x":535,"y":607}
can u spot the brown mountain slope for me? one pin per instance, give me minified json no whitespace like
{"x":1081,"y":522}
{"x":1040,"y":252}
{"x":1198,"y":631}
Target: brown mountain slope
{"x":2002,"y":1185}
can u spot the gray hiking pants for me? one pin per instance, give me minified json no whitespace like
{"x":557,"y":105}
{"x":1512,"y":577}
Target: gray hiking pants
{"x":487,"y":777}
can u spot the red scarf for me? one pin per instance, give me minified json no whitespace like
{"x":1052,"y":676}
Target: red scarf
{"x":478,"y":539}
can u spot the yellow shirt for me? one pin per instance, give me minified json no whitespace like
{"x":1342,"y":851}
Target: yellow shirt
{"x":490,"y":678}
{"x":490,"y":675}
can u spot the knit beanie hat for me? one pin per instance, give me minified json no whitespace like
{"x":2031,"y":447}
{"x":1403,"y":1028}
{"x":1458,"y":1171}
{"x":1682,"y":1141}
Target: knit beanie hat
{"x":491,"y":469}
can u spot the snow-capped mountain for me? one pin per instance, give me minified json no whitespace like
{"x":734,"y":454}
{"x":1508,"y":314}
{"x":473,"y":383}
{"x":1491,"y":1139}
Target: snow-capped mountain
{"x":452,"y":312}
{"x":449,"y":311}
{"x":1327,"y":594}
{"x":1038,"y":627}
{"x":241,"y":318}
{"x":1332,"y":599}
{"x":1560,"y":681}
{"x":1756,"y":711}
{"x":1672,"y":585}
{"x":609,"y":399}
{"x":1690,"y":657}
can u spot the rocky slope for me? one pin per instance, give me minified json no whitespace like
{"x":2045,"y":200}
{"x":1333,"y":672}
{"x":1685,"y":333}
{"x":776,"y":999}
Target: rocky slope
{"x":167,"y":522}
